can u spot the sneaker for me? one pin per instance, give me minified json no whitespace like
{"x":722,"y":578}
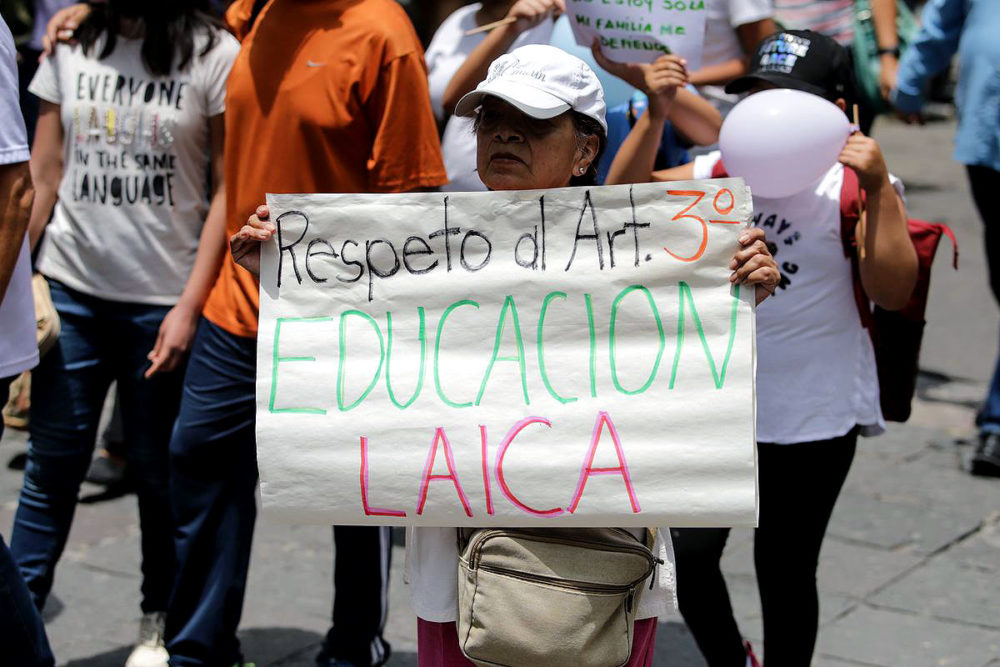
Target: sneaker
{"x":150,"y":651}
{"x":986,"y":460}
{"x":752,"y":660}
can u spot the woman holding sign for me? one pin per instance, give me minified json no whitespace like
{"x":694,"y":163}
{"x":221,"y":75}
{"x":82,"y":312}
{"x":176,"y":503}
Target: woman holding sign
{"x":540,"y":124}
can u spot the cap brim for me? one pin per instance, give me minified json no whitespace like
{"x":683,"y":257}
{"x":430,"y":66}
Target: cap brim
{"x":745,"y":83}
{"x":525,"y":97}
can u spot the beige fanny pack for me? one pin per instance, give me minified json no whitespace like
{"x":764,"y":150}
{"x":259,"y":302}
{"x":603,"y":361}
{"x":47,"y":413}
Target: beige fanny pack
{"x":550,"y":596}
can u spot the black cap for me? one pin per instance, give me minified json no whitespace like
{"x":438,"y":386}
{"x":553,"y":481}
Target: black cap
{"x":799,"y":59}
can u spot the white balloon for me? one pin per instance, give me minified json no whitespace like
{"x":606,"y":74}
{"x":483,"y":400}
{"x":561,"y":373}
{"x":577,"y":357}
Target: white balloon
{"x":782,"y":141}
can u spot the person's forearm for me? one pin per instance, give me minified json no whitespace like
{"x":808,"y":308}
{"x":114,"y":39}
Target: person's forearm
{"x":15,"y":193}
{"x":46,"y":194}
{"x":884,"y":20}
{"x":889,"y":268}
{"x":208,"y":260}
{"x":476,"y":66}
{"x":695,"y":118}
{"x":636,"y":157}
{"x":720,"y":73}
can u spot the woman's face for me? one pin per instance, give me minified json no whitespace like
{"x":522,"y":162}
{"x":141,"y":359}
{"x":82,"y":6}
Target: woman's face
{"x":518,"y":152}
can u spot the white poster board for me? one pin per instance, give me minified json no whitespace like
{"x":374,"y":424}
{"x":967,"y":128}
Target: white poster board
{"x":641,"y":30}
{"x":569,"y":357}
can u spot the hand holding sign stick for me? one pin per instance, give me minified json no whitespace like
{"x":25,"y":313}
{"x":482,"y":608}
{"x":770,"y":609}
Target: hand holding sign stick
{"x":530,"y":12}
{"x":861,"y":202}
{"x":490,"y":26}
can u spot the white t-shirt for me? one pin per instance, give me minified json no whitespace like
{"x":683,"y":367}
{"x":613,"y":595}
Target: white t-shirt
{"x":18,"y":344}
{"x":445,"y":54}
{"x":134,"y":192}
{"x":722,"y":42}
{"x":816,"y":374}
{"x":432,"y":574}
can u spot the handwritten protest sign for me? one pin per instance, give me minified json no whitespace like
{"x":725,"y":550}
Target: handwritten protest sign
{"x":573,"y":357}
{"x":641,"y":30}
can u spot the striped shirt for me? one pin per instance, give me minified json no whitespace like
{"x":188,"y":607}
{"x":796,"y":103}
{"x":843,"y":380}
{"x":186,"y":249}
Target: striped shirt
{"x":832,"y":18}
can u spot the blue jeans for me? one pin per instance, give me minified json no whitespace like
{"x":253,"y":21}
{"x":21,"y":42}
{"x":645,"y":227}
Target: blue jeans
{"x":100,"y":341}
{"x":22,"y":635}
{"x":213,"y":479}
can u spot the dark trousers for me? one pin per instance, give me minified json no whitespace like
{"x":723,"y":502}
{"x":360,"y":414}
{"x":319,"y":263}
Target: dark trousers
{"x":798,"y":486}
{"x":361,"y":604}
{"x":985,"y":183}
{"x":100,"y":341}
{"x":22,"y":635}
{"x":213,"y":481}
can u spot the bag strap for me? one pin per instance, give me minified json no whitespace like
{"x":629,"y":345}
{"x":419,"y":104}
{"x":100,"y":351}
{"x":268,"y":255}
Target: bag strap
{"x":946,"y":230}
{"x":850,"y":213}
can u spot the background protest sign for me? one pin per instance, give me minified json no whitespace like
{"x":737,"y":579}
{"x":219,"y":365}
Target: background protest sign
{"x":641,"y":30}
{"x":570,"y":357}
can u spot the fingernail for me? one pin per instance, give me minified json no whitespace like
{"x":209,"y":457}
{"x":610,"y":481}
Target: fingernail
{"x":732,"y":264}
{"x":744,"y":238}
{"x":732,"y":278}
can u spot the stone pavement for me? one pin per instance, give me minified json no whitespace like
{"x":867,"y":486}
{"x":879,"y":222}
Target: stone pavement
{"x":909,"y":575}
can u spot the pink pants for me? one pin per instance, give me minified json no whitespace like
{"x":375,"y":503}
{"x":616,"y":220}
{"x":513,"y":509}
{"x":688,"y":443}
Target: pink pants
{"x":437,"y":644}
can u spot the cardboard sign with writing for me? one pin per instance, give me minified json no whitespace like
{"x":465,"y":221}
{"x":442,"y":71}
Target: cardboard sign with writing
{"x":567,"y":357}
{"x":641,"y":30}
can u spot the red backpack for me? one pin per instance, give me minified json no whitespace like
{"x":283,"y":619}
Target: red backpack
{"x":896,"y":335}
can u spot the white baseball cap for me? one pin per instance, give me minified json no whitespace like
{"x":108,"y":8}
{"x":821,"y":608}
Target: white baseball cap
{"x":542,"y":81}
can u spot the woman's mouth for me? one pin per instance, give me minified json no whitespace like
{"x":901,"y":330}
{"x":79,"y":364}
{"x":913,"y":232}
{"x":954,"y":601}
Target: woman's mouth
{"x":506,"y":158}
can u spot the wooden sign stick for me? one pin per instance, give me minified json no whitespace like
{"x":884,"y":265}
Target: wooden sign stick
{"x":490,"y":26}
{"x":861,"y":204}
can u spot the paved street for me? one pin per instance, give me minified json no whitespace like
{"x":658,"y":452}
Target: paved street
{"x":910,"y":571}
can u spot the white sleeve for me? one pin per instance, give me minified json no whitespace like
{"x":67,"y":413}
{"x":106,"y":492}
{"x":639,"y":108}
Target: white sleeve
{"x":442,"y":58}
{"x":214,"y":71}
{"x":898,"y":185}
{"x":742,"y":12}
{"x":45,"y":84}
{"x":13,"y":138}
{"x":704,"y":164}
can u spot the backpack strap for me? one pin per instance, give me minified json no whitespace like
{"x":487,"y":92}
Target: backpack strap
{"x":850,"y":213}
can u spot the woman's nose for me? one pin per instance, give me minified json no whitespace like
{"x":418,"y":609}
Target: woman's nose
{"x":508,"y":134}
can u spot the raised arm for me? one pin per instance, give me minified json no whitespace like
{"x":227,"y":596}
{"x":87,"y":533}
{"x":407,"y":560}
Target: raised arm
{"x":528,"y":13}
{"x":695,"y":118}
{"x":889,"y":262}
{"x":750,"y":34}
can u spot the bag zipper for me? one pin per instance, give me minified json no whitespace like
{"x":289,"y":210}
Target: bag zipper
{"x":478,"y":541}
{"x":567,"y":584}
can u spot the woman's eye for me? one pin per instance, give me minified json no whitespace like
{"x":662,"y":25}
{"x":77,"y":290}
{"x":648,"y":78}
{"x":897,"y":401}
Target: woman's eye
{"x":539,"y":127}
{"x":489,"y":118}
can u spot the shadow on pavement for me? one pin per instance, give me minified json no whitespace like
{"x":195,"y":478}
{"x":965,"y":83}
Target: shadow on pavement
{"x":113,"y":658}
{"x":675,"y":646}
